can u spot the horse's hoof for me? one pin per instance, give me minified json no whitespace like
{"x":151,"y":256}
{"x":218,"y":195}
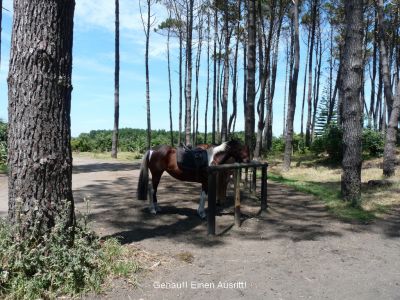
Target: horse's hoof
{"x":202,"y":215}
{"x":158,"y":209}
{"x":153,"y":211}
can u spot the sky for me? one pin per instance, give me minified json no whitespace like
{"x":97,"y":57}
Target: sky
{"x":93,"y":71}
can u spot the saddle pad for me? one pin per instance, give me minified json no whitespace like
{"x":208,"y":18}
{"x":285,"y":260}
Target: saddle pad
{"x":191,"y":159}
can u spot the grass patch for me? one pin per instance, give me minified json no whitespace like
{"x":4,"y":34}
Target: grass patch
{"x":56,"y":266}
{"x":185,"y":256}
{"x":330,"y":195}
{"x":3,"y":168}
{"x":318,"y":176}
{"x":123,"y":156}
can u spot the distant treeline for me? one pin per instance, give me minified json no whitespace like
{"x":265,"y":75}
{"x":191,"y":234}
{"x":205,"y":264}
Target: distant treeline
{"x":328,"y":141}
{"x":131,"y":140}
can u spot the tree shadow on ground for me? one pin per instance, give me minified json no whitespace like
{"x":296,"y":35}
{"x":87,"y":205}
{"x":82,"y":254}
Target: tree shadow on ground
{"x":115,"y":212}
{"x":109,"y":167}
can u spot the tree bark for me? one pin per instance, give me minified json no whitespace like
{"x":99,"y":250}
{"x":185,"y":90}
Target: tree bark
{"x":351,"y":83}
{"x":292,"y":89}
{"x":114,"y":147}
{"x":39,"y":150}
{"x":389,"y":154}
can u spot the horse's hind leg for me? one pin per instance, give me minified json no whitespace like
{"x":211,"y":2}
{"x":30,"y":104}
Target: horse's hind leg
{"x":154,"y":208}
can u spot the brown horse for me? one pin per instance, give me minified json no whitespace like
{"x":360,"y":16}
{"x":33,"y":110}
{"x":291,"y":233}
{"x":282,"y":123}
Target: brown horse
{"x":164,"y":159}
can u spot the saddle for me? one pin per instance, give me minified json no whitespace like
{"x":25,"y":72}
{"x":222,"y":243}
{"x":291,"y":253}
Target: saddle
{"x":190,"y":159}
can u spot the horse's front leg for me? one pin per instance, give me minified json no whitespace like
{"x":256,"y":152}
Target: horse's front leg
{"x":201,"y":210}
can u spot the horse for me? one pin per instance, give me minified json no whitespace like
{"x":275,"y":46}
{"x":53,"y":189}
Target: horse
{"x":163,"y":159}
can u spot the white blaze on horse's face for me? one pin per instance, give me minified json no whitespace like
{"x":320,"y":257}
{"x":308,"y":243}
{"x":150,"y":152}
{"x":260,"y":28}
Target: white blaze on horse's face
{"x":214,"y":150}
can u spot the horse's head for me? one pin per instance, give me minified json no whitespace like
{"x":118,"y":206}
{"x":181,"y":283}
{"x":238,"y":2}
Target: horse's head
{"x":241,"y":153}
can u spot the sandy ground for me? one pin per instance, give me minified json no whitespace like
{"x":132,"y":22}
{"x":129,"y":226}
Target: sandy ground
{"x":296,"y":250}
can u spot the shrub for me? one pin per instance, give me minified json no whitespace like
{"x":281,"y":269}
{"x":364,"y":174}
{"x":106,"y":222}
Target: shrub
{"x":52,"y":267}
{"x":330,"y":142}
{"x":278,"y":144}
{"x":3,"y":143}
{"x":373,"y":142}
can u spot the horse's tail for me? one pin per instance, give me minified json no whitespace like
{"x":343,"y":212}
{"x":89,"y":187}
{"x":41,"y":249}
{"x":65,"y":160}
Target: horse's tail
{"x":143,"y":183}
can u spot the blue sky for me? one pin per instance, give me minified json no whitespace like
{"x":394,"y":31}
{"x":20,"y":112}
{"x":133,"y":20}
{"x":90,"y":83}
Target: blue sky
{"x":93,"y":71}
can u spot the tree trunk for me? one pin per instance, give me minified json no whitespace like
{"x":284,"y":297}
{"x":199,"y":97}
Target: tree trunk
{"x":371,"y":114}
{"x":39,"y":85}
{"x":304,"y":85}
{"x":233,"y":116}
{"x":270,"y":95}
{"x":147,"y":34}
{"x":188,"y":88}
{"x":114,"y":148}
{"x":251,"y":72}
{"x":389,"y":154}
{"x":387,"y":85}
{"x":285,"y":91}
{"x":352,"y":67}
{"x":208,"y":77}
{"x":318,"y":55}
{"x":197,"y":99}
{"x":263,"y":73}
{"x":393,"y":103}
{"x":225,"y":93}
{"x":171,"y":131}
{"x":310,"y":66}
{"x":292,"y":89}
{"x":215,"y":88}
{"x":180,"y":87}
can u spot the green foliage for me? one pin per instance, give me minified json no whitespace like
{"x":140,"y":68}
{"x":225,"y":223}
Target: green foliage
{"x":3,"y":145}
{"x":330,"y":142}
{"x":278,"y":144}
{"x":373,"y":142}
{"x":55,"y":265}
{"x":131,"y":140}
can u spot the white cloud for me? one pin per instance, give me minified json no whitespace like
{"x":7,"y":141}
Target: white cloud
{"x":101,"y":13}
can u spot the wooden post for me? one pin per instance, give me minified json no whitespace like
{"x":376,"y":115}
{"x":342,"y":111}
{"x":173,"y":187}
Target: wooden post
{"x":264,"y":188}
{"x":237,"y":198}
{"x":212,"y":182}
{"x":254,"y":181}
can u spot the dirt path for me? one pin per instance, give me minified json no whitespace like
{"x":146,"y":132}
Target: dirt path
{"x":295,"y":251}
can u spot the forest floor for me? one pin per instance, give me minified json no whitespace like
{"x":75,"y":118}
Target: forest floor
{"x":296,"y":250}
